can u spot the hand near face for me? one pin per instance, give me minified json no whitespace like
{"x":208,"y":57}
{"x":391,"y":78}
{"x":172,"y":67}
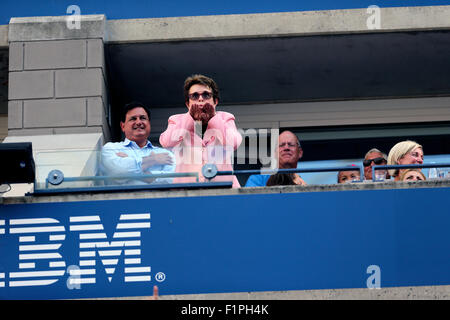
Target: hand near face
{"x":156,"y":158}
{"x":202,"y":113}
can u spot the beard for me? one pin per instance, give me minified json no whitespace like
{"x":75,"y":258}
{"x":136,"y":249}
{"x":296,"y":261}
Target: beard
{"x":203,"y":114}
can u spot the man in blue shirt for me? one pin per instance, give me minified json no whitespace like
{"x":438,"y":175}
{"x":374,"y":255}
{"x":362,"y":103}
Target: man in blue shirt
{"x":136,"y":155}
{"x":289,"y":152}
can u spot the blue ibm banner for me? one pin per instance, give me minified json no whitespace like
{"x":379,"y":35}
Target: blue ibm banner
{"x":236,"y":243}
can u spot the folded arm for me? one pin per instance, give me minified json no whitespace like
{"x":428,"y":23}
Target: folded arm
{"x":117,"y":162}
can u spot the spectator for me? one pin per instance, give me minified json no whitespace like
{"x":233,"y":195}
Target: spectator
{"x":405,"y":152}
{"x":202,"y":135}
{"x":412,"y":175}
{"x":136,"y":155}
{"x":349,"y":176}
{"x":289,"y":153}
{"x":284,"y":179}
{"x":374,"y":157}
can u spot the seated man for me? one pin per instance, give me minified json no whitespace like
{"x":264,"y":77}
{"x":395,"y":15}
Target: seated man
{"x":289,"y":152}
{"x":136,"y":155}
{"x":374,"y":157}
{"x":349,"y":176}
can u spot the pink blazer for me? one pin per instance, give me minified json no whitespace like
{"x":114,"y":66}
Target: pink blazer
{"x":220,"y":140}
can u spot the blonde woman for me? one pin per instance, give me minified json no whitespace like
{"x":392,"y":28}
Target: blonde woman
{"x":412,"y":175}
{"x":405,"y":152}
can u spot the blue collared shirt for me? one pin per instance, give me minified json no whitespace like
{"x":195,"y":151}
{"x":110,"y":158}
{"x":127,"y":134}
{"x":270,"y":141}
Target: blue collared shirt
{"x":257,"y":180}
{"x":114,"y":165}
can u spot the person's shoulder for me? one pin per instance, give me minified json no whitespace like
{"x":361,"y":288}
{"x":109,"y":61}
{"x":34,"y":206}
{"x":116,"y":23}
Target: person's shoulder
{"x":113,"y":145}
{"x":178,"y":116}
{"x":257,"y":180}
{"x":225,"y":115}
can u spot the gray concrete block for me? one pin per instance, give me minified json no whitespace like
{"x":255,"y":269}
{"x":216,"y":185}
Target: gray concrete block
{"x":30,"y":132}
{"x":15,"y":112}
{"x":77,"y":130}
{"x":276,"y":24}
{"x":97,"y":116}
{"x":54,"y":113}
{"x":56,"y":28}
{"x":95,"y":53}
{"x":30,"y":85}
{"x":54,"y":142}
{"x":16,"y":56}
{"x":394,"y":293}
{"x":55,"y":54}
{"x":79,"y":82}
{"x":4,"y":36}
{"x":95,"y":111}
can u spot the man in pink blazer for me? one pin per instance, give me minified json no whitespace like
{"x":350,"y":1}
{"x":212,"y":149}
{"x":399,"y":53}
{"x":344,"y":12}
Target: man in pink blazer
{"x":202,"y":135}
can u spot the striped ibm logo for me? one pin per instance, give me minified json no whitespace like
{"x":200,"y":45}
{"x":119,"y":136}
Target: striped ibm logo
{"x":126,"y":240}
{"x":41,"y":264}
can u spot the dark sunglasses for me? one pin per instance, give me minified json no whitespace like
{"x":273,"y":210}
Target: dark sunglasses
{"x":377,"y":161}
{"x":205,"y":95}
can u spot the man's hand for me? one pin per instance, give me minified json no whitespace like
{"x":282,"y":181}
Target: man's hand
{"x":162,"y":158}
{"x":202,"y":113}
{"x":298,"y":180}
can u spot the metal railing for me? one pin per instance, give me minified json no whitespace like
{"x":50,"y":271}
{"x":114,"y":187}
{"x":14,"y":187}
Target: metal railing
{"x":210,"y":171}
{"x":56,"y":177}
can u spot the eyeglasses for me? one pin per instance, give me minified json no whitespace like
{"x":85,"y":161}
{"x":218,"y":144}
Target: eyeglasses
{"x":205,"y":95}
{"x":376,"y":161}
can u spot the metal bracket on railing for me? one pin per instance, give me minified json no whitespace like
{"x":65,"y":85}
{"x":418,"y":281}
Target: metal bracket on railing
{"x":55,"y":177}
{"x":209,"y":171}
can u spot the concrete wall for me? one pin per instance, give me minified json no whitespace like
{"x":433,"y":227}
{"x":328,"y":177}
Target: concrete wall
{"x":278,"y":24}
{"x":56,"y":86}
{"x":57,"y":93}
{"x":398,"y":293}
